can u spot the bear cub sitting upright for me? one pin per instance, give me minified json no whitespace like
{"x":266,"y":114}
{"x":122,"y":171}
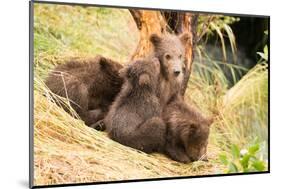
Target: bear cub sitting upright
{"x":134,"y":117}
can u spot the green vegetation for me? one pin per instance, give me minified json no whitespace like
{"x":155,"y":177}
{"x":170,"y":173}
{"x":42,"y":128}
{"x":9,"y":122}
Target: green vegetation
{"x":62,"y":32}
{"x":67,"y":151}
{"x":219,"y":25}
{"x":245,"y":160}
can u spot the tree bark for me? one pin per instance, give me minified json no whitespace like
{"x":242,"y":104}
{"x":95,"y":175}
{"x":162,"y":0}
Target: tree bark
{"x":149,"y":22}
{"x":189,"y":26}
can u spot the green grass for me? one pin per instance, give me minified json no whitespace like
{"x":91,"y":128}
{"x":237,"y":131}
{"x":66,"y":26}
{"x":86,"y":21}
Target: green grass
{"x":62,"y":32}
{"x":241,"y":112}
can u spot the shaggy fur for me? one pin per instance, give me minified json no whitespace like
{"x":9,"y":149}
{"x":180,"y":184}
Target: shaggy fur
{"x":169,"y":49}
{"x":90,"y":85}
{"x":134,"y":117}
{"x":187,"y":131}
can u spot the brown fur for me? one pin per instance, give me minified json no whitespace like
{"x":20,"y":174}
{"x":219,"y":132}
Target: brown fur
{"x":187,"y":131}
{"x":90,"y":85}
{"x":170,"y":50}
{"x":172,"y":68}
{"x":134,"y":117}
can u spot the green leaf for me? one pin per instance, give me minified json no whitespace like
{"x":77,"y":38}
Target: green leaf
{"x":245,"y":161}
{"x":253,"y":149}
{"x":259,"y":165}
{"x":235,"y":151}
{"x":223,"y":159}
{"x":232,"y":168}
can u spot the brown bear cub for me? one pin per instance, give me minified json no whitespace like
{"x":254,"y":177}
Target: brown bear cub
{"x":187,"y":132}
{"x":134,"y":117}
{"x":90,"y":85}
{"x":170,"y":50}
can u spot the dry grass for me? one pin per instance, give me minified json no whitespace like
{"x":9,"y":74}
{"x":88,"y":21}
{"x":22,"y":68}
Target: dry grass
{"x":67,"y":151}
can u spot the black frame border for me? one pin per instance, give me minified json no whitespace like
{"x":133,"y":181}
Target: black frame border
{"x":31,"y":95}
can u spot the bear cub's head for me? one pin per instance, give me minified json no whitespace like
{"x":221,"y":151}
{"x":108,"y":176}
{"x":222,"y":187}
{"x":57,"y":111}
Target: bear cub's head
{"x":170,"y":50}
{"x":198,"y":139}
{"x":142,"y":74}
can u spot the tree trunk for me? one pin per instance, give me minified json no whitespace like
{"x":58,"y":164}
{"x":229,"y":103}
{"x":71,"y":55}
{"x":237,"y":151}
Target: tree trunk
{"x":189,"y":26}
{"x":149,"y":22}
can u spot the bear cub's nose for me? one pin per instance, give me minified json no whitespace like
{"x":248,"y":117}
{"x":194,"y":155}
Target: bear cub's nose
{"x":176,"y":73}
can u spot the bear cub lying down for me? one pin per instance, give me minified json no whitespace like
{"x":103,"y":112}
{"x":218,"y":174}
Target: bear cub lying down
{"x":187,"y":131}
{"x":90,"y":85}
{"x":137,"y":119}
{"x":134,"y":117}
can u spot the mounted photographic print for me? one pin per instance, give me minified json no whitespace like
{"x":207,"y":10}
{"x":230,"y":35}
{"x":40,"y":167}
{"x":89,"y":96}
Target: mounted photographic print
{"x":122,"y":94}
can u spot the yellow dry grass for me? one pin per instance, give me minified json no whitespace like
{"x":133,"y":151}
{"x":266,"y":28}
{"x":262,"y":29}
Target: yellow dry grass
{"x":67,"y":151}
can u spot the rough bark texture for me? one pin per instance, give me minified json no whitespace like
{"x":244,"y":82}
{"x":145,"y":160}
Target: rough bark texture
{"x":189,"y":26}
{"x":149,"y":22}
{"x":174,"y":21}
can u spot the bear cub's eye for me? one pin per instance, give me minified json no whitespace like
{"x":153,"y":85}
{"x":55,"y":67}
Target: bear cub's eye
{"x":168,"y":57}
{"x":180,"y":56}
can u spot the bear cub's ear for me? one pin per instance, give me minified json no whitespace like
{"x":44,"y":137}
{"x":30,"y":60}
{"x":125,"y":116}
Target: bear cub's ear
{"x":185,"y":38}
{"x":144,"y":79}
{"x":103,"y":61}
{"x":155,"y":39}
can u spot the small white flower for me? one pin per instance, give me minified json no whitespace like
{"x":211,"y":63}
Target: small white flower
{"x":243,"y":152}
